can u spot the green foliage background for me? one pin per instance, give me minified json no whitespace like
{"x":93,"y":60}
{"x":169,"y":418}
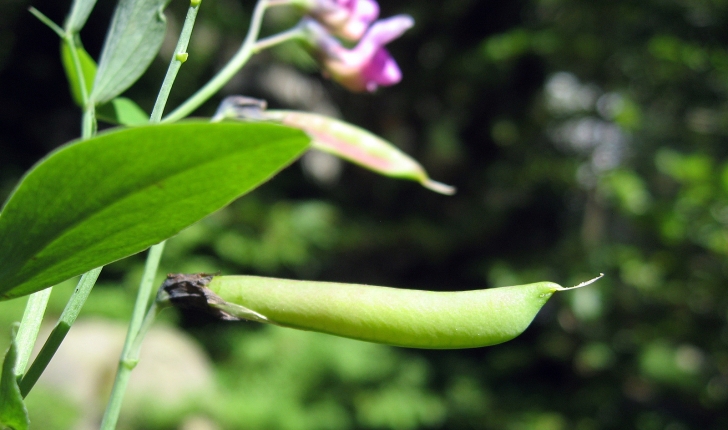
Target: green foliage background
{"x":583,"y":137}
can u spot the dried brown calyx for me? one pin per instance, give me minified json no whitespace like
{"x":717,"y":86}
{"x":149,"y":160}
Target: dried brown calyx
{"x":190,"y":291}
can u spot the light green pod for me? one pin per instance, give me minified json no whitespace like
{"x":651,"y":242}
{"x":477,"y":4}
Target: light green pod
{"x":394,"y":316}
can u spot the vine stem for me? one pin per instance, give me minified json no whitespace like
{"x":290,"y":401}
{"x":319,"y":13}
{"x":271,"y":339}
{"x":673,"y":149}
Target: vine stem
{"x":88,"y":123}
{"x":132,"y":344}
{"x":29,"y":327}
{"x":140,"y":324}
{"x":180,"y":56}
{"x":292,"y":34}
{"x":68,"y":317}
{"x":247,"y":49}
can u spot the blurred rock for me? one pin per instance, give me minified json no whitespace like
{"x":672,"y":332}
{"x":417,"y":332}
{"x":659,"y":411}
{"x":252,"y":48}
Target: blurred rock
{"x":172,"y":372}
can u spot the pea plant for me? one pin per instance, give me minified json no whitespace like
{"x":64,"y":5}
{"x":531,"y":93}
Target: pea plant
{"x":113,"y":194}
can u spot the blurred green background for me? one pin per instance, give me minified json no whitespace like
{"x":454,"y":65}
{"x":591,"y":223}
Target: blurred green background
{"x":583,"y":137}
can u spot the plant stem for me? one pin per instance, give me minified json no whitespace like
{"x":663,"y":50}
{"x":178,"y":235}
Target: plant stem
{"x":47,"y":21}
{"x":277,"y":39}
{"x":140,"y":324}
{"x":179,"y":57}
{"x":129,"y":356}
{"x":71,"y":40}
{"x":88,"y":124}
{"x":29,"y":327}
{"x":68,"y":317}
{"x":231,"y":68}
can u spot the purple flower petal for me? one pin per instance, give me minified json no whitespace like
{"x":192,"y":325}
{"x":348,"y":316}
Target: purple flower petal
{"x":381,"y":70}
{"x":368,"y":65}
{"x":386,"y":30}
{"x":348,"y":19}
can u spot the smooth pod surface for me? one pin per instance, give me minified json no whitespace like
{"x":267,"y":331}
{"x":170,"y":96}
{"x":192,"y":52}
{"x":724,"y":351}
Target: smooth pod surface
{"x":394,"y":316}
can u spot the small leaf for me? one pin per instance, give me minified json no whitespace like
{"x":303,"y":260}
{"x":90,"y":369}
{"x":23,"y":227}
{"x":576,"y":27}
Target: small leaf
{"x":88,"y":67}
{"x":13,"y":413}
{"x":80,"y":10}
{"x":134,"y":38}
{"x":95,"y":201}
{"x":123,"y":111}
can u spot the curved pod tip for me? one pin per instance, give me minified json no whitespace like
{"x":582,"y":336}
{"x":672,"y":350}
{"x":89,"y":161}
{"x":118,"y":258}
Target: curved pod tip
{"x":438,"y":187}
{"x":584,"y":284}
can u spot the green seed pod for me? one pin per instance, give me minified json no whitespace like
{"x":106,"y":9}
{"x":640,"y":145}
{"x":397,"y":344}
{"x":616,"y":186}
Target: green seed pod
{"x":394,"y":316}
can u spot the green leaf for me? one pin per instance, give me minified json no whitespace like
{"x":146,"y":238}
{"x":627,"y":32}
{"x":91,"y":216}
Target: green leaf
{"x":122,"y":110}
{"x":80,"y":10}
{"x":95,"y":201}
{"x":13,"y":413}
{"x":88,"y":67}
{"x":134,"y":38}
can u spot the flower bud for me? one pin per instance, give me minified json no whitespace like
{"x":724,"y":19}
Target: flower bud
{"x":368,"y":65}
{"x":348,"y":19}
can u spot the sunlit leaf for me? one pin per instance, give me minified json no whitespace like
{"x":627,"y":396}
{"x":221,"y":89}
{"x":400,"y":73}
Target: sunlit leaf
{"x":95,"y":201}
{"x":88,"y":67}
{"x":13,"y":413}
{"x":135,"y":36}
{"x":80,"y":10}
{"x":123,"y":111}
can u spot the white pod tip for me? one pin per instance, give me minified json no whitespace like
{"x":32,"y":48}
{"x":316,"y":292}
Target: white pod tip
{"x":438,"y":187}
{"x":585,"y":283}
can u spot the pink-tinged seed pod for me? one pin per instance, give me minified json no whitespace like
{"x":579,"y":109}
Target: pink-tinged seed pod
{"x":358,"y":146}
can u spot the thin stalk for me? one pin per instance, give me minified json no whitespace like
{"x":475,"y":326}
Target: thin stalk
{"x":88,"y":124}
{"x":180,"y":56}
{"x":139,"y":324}
{"x":29,"y":327}
{"x":272,"y":3}
{"x":231,"y":68}
{"x":71,"y":40}
{"x":130,"y":357}
{"x":292,"y":34}
{"x":47,"y":21}
{"x":68,"y":317}
{"x":136,"y":346}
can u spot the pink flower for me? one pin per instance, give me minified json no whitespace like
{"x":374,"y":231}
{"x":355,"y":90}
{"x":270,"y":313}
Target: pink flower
{"x":348,"y":19}
{"x":368,"y":65}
